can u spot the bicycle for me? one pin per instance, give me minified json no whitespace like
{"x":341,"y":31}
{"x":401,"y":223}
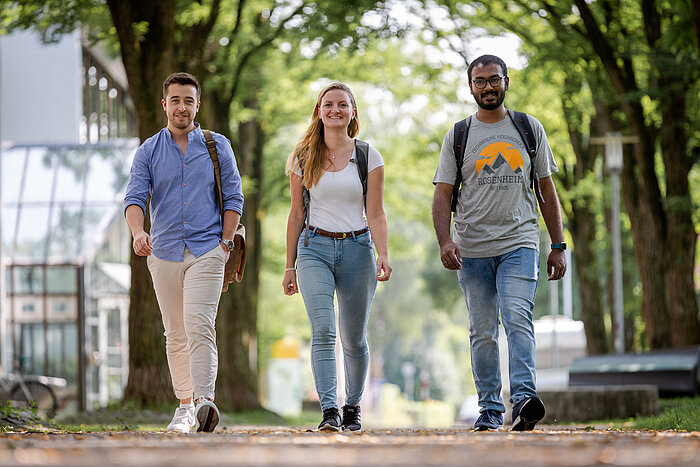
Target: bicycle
{"x":27,"y":390}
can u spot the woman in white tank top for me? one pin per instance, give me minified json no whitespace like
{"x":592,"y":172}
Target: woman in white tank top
{"x":332,"y":251}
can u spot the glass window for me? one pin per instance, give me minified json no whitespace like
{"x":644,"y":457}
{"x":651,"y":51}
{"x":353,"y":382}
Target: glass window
{"x":94,"y":339}
{"x":32,"y":356}
{"x":93,"y":380}
{"x":32,"y":232}
{"x":67,"y":231}
{"x":92,"y":218}
{"x":9,"y":219}
{"x":109,"y":172}
{"x":40,"y":176}
{"x":114,"y":328}
{"x":27,"y":280}
{"x":70,"y":176}
{"x":115,"y":386}
{"x":12,"y":163}
{"x":114,"y":360}
{"x":61,"y":280}
{"x":54,"y":342}
{"x":28,"y":308}
{"x":70,"y":351}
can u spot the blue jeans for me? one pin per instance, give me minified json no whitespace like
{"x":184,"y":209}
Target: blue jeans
{"x":506,"y":283}
{"x":346,"y":267}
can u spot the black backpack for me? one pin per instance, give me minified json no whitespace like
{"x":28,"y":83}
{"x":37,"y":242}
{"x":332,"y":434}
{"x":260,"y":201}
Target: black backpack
{"x":361,"y":154}
{"x":522,"y":124}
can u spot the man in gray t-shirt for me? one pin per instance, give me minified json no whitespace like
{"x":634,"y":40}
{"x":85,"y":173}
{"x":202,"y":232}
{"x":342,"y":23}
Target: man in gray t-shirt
{"x":496,"y":241}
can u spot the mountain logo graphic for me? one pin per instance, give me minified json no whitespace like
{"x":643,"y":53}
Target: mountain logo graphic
{"x":495,"y":155}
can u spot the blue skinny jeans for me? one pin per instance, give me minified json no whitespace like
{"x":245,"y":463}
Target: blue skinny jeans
{"x":346,"y":267}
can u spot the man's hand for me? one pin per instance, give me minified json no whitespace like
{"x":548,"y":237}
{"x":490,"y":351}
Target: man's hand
{"x":556,"y":265}
{"x":143,"y":245}
{"x":449,"y":251}
{"x":450,"y":256}
{"x":227,"y":253}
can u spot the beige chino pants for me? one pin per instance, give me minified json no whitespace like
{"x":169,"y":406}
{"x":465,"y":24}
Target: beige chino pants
{"x":188,"y":296}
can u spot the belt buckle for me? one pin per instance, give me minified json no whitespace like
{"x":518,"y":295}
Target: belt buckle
{"x":344,"y":235}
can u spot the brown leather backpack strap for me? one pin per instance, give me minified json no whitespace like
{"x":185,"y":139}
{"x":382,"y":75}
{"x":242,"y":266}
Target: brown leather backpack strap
{"x":211,"y":147}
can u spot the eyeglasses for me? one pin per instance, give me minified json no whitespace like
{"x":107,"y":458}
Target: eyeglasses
{"x":495,"y":82}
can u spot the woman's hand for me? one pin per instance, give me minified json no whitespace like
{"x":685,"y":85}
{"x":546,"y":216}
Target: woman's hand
{"x":289,"y":282}
{"x":383,"y":269}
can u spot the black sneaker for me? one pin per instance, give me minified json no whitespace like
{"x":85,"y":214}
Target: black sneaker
{"x":331,"y":420}
{"x":489,"y":420}
{"x":351,"y":418}
{"x":527,"y":413}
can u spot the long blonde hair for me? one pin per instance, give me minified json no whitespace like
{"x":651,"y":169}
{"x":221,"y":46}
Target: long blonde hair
{"x":309,"y":154}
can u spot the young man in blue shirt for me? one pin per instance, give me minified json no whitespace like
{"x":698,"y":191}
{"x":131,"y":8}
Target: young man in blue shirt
{"x":188,"y":244}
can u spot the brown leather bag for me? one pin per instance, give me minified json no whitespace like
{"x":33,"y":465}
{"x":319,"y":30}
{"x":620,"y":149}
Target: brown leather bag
{"x":235,"y":266}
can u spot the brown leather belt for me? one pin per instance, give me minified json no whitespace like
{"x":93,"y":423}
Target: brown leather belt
{"x":341,"y":235}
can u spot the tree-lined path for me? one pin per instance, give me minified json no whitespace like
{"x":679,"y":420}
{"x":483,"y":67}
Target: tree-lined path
{"x":247,"y":446}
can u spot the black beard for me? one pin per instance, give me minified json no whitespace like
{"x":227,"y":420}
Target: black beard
{"x":499,"y":101}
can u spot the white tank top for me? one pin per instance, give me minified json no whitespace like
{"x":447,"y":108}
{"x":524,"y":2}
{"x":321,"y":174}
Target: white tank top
{"x":337,"y":204}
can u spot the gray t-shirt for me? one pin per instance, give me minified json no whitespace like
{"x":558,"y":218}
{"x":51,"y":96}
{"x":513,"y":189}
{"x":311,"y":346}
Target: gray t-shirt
{"x":497,"y":208}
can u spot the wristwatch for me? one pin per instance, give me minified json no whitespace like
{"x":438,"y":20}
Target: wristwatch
{"x":559,"y":246}
{"x":228,"y":244}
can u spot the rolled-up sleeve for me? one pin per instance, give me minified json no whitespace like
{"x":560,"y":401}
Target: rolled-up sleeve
{"x":231,"y":186}
{"x":139,"y":184}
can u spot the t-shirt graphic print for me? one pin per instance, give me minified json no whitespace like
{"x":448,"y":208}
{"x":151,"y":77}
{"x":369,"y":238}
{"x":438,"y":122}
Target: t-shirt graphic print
{"x":495,"y":156}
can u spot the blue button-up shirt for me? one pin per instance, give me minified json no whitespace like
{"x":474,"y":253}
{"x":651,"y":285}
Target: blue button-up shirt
{"x":184,"y":197}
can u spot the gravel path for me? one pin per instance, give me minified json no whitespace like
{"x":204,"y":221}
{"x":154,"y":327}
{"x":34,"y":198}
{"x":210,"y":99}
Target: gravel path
{"x":256,"y":446}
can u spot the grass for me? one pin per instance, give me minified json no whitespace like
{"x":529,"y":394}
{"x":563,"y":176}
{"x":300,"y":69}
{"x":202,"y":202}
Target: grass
{"x":682,"y":414}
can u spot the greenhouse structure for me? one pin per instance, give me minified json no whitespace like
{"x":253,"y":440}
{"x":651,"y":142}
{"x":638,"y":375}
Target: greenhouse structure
{"x":67,"y":132}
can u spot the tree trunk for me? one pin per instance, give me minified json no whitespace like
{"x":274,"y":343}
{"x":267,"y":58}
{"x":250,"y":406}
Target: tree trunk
{"x":681,"y":237}
{"x":646,"y":219}
{"x":583,"y":232}
{"x":588,"y":271}
{"x":581,"y":217}
{"x":149,"y":380}
{"x":237,"y":383}
{"x":147,"y":61}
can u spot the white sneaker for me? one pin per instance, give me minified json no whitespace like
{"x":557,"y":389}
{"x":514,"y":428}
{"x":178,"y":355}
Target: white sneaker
{"x":183,"y":420}
{"x":207,"y":416}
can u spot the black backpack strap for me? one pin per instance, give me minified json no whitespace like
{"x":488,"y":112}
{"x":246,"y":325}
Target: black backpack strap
{"x":362,"y":155}
{"x":460,"y":133}
{"x":211,"y":147}
{"x":306,"y":196}
{"x":522,"y":124}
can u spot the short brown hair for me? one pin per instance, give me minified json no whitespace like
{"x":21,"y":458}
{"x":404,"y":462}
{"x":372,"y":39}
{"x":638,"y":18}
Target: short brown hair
{"x":181,"y":78}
